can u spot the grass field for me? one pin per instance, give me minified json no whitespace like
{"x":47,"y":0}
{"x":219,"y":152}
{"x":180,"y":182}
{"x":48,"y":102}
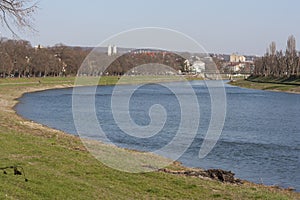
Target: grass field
{"x":265,"y":83}
{"x":58,"y":166}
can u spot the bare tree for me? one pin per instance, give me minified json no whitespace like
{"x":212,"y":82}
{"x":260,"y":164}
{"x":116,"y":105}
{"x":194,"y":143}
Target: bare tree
{"x":279,"y":64}
{"x":17,"y":14}
{"x":272,"y":48}
{"x":291,"y":54}
{"x":272,"y":59}
{"x":291,"y":44}
{"x":298,"y":65}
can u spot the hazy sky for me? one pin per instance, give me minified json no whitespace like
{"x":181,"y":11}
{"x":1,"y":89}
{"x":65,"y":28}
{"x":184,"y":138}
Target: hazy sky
{"x":220,"y":26}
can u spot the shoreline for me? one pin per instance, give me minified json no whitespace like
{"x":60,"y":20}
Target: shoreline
{"x":208,"y":174}
{"x":185,"y":169}
{"x":9,"y":106}
{"x":267,"y":86}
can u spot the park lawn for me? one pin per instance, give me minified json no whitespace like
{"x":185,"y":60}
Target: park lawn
{"x":57,"y":165}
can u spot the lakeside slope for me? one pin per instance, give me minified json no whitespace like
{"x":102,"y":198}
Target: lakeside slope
{"x":271,"y":84}
{"x":58,"y":166}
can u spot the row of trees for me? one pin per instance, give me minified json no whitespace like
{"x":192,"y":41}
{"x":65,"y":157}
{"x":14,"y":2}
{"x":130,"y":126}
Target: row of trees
{"x":278,"y":63}
{"x":19,"y":59}
{"x":136,"y":62}
{"x":127,"y":63}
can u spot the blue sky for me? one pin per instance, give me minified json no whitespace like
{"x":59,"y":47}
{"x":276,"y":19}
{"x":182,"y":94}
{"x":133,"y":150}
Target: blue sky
{"x":220,"y":26}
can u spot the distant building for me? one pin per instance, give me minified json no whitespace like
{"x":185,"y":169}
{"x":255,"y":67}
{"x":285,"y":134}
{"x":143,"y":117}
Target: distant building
{"x":109,"y":50}
{"x":198,"y":67}
{"x":235,"y":67}
{"x":194,"y":59}
{"x":207,"y":59}
{"x":237,"y":58}
{"x":112,"y":50}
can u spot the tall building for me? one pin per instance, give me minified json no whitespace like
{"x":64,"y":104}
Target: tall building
{"x":114,"y":49}
{"x":109,"y":50}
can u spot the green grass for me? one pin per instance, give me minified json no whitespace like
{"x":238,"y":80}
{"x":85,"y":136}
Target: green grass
{"x":280,"y":80}
{"x":104,"y":80}
{"x":58,"y":167}
{"x":272,"y":84}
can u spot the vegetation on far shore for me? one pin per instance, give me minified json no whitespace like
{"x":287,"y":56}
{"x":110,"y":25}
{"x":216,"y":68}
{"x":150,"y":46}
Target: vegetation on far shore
{"x":57,"y":165}
{"x":283,"y":84}
{"x":18,"y":58}
{"x":277,"y":70}
{"x":278,"y":64}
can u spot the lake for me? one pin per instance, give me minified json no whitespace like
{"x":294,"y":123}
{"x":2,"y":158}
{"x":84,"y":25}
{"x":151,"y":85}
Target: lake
{"x":260,"y":140}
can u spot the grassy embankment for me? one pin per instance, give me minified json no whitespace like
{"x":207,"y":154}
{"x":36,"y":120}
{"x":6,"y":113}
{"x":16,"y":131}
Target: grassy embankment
{"x":58,"y":166}
{"x":273,"y":84}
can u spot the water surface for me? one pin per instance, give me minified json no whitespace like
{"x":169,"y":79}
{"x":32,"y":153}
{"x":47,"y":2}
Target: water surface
{"x":260,"y":141}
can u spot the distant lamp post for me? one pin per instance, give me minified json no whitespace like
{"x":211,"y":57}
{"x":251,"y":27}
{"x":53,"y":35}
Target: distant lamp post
{"x":26,"y":70}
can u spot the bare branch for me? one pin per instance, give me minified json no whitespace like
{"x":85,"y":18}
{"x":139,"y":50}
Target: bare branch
{"x":17,"y":14}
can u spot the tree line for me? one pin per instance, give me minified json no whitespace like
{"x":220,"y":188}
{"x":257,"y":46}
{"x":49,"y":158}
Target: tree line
{"x":276,"y":63}
{"x":19,"y":59}
{"x":136,"y":62}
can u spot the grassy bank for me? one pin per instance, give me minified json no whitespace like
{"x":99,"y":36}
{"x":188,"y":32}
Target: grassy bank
{"x":58,"y":166}
{"x":272,"y":84}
